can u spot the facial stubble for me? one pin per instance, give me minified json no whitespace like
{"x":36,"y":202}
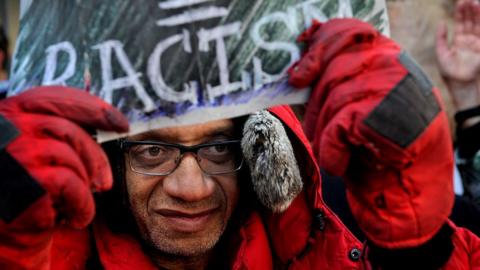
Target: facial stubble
{"x":181,"y":244}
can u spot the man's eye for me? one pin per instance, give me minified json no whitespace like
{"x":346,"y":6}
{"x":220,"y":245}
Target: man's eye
{"x":221,"y":148}
{"x":153,"y":151}
{"x":217,"y":149}
{"x":149,"y":151}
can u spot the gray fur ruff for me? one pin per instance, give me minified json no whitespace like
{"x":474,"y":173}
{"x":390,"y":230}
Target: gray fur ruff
{"x":269,"y":154}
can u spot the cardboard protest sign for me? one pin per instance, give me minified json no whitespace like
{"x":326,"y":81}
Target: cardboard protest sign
{"x":173,"y":62}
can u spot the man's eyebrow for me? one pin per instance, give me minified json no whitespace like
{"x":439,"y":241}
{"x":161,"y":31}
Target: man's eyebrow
{"x":222,"y":132}
{"x":228,"y":131}
{"x":145,"y":135}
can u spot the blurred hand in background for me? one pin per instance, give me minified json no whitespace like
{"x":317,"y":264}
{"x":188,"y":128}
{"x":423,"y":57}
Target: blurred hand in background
{"x":459,"y":61}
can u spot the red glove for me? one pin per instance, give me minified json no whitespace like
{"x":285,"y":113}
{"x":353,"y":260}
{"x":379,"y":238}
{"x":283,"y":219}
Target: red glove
{"x":50,"y":166}
{"x":375,"y":119}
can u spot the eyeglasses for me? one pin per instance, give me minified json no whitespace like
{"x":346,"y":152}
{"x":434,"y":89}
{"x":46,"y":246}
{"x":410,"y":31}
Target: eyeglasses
{"x":160,"y":159}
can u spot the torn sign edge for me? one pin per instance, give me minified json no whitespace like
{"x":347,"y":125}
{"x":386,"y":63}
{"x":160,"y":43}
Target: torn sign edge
{"x":206,"y":114}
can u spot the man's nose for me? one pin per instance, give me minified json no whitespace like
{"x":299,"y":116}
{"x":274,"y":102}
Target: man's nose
{"x":188,"y":182}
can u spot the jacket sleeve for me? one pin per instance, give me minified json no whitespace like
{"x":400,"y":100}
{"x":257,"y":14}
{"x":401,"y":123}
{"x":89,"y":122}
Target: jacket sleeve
{"x":50,"y":165}
{"x":466,"y":251}
{"x":375,"y":119}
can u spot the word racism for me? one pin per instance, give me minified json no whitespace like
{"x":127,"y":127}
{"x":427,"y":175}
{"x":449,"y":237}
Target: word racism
{"x":61,"y":58}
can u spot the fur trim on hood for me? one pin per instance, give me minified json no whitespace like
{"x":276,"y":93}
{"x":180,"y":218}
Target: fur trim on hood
{"x":269,"y":154}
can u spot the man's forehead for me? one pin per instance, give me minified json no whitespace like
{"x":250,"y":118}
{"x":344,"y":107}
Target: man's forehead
{"x":190,"y":133}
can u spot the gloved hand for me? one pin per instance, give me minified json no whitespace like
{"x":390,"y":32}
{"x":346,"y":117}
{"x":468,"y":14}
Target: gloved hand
{"x":50,"y":166}
{"x":374,"y":118}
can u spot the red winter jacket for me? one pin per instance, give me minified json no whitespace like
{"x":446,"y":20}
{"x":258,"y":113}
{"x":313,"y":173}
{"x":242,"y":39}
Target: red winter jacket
{"x":306,"y":236}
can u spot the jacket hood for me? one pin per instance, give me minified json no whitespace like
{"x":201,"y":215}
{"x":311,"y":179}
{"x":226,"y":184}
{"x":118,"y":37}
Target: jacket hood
{"x":280,"y":159}
{"x":306,"y":215}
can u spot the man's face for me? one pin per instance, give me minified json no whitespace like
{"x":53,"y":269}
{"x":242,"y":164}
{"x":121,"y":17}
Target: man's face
{"x":185,"y":212}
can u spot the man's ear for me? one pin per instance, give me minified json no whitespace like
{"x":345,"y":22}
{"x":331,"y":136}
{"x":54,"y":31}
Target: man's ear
{"x":269,"y":154}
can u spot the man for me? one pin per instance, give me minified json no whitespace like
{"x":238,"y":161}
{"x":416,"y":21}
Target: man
{"x":182,"y":202}
{"x":241,"y":193}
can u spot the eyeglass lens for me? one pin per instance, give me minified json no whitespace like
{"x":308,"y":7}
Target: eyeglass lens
{"x":161,"y":159}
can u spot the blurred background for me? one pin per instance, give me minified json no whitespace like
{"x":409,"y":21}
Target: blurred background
{"x":9,"y":13}
{"x":413,"y":25}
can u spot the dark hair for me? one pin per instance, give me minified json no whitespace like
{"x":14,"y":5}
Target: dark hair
{"x":113,"y":204}
{"x":4,"y":48}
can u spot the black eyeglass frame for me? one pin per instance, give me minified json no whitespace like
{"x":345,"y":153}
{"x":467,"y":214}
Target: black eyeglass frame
{"x":125,"y":145}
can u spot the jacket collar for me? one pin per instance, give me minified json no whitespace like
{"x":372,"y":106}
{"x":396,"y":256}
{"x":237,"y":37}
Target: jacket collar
{"x":249,"y":248}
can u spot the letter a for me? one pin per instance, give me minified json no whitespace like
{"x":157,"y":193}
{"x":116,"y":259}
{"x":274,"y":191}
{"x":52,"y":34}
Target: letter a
{"x":131,"y":80}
